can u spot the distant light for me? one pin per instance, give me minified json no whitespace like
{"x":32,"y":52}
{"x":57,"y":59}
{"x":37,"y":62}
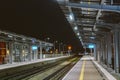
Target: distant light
{"x":55,"y":42}
{"x":69,"y":47}
{"x":48,"y":38}
{"x":71,"y":17}
{"x":75,"y":28}
{"x":10,"y":36}
{"x":91,"y":46}
{"x":81,"y":2}
{"x":33,"y":40}
{"x":23,"y":39}
{"x":92,"y":37}
{"x":8,"y":52}
{"x":51,"y":52}
{"x":78,"y":33}
{"x":80,"y":37}
{"x":104,"y":3}
{"x":93,"y":33}
{"x":34,"y":47}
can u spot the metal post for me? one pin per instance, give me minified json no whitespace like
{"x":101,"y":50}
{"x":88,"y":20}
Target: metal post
{"x":36,"y":54}
{"x":21,"y":52}
{"x":11,"y":53}
{"x":95,"y":53}
{"x":59,"y":48}
{"x":109,"y":50}
{"x":106,"y":49}
{"x":91,"y":51}
{"x":54,"y":50}
{"x":102,"y":52}
{"x":116,"y":49}
{"x":30,"y":52}
{"x":41,"y":50}
{"x":64,"y":49}
{"x":111,"y":2}
{"x":85,"y":49}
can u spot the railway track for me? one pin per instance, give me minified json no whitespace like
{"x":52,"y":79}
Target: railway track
{"x":27,"y":74}
{"x":59,"y":74}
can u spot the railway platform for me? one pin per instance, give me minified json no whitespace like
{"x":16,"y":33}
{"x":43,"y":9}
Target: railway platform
{"x":88,"y":69}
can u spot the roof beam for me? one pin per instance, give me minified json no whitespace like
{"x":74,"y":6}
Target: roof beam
{"x":98,"y":15}
{"x":107,"y":25}
{"x":114,"y":8}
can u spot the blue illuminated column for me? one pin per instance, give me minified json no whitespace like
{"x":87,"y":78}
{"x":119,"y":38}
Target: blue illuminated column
{"x":35,"y":51}
{"x":91,"y":46}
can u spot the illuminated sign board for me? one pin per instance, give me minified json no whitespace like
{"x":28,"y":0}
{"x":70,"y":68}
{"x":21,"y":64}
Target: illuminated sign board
{"x":91,"y":46}
{"x":34,"y":47}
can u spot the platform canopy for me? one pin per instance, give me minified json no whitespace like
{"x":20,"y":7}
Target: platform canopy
{"x":91,"y":20}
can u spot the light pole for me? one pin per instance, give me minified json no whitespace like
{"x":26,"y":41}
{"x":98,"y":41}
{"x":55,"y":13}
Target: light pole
{"x":55,"y":46}
{"x":64,"y":47}
{"x":60,"y":47}
{"x":46,"y":40}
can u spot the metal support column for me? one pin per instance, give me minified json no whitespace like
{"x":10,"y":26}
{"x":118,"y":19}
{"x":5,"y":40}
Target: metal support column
{"x":11,"y":52}
{"x":101,"y":50}
{"x":41,"y":50}
{"x":116,"y":49}
{"x":22,"y":52}
{"x":30,"y":52}
{"x":109,"y":50}
{"x":35,"y":52}
{"x":95,"y":53}
{"x":97,"y":47}
{"x":106,"y":49}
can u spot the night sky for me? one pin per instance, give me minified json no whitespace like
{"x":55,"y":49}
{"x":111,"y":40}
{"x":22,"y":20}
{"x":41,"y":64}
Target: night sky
{"x":37,"y":18}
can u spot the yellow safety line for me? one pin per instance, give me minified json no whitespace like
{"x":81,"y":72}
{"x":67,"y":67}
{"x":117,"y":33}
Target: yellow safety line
{"x":82,"y":71}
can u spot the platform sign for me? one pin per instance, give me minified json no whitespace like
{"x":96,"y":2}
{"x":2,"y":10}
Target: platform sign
{"x":34,"y":47}
{"x":91,"y":46}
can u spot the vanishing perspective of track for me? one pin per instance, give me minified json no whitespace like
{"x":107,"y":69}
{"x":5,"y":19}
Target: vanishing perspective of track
{"x":35,"y":71}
